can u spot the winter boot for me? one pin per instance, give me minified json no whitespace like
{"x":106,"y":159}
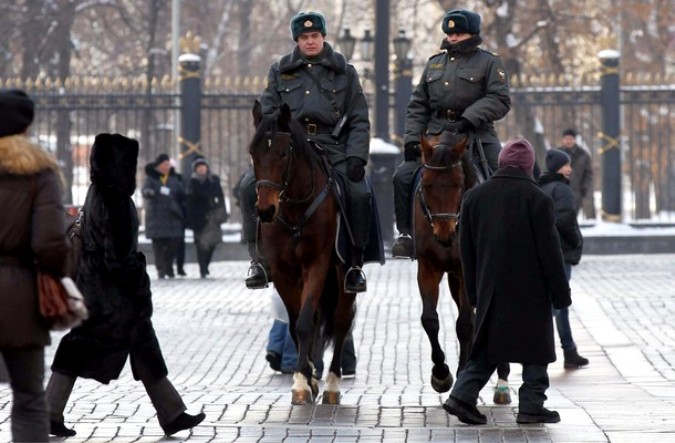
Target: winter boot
{"x":403,"y":247}
{"x":355,"y":279}
{"x":257,"y":276}
{"x":573,"y":360}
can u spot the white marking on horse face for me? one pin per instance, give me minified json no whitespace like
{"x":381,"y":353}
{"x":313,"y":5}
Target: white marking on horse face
{"x":300,"y":382}
{"x":332,"y":383}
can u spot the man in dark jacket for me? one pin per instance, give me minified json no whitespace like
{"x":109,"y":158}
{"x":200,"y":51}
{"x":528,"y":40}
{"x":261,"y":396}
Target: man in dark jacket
{"x":513,"y":271}
{"x":463,"y":89}
{"x":581,"y":180}
{"x":116,"y":287}
{"x":555,"y":183}
{"x":164,"y":194}
{"x":324,"y":94}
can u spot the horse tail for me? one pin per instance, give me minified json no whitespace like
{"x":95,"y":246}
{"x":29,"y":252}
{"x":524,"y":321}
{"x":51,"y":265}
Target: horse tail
{"x":327,"y":307}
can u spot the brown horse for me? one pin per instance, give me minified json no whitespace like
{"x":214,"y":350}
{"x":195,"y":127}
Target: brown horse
{"x":447,"y":173}
{"x":298,"y":215}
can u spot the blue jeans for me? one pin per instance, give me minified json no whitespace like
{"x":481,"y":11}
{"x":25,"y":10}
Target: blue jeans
{"x":562,"y":319}
{"x":281,"y":342}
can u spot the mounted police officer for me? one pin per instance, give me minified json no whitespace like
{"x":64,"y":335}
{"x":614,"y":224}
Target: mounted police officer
{"x":463,"y":89}
{"x":325,"y":96}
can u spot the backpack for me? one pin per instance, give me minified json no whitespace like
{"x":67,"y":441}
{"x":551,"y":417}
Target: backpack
{"x":74,"y":228}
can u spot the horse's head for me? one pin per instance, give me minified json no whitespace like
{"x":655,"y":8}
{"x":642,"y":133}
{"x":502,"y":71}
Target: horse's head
{"x":443,"y":183}
{"x":271,"y":150}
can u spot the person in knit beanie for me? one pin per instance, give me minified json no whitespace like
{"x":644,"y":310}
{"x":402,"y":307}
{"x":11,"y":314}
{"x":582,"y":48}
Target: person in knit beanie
{"x":556,"y":159}
{"x":517,"y":153}
{"x":513,"y":270}
{"x":17,"y":111}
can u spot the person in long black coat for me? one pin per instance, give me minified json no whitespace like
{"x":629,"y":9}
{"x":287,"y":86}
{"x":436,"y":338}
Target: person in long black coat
{"x":112,"y":276}
{"x":205,"y":212}
{"x":513,"y":272}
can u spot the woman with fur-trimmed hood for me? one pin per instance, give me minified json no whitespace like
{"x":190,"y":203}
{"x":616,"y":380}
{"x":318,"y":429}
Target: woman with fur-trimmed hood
{"x":112,"y":276}
{"x":32,"y":233}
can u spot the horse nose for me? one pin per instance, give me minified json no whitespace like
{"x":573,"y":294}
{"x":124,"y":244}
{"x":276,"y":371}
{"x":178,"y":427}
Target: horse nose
{"x":446,"y":242}
{"x":267,"y":214}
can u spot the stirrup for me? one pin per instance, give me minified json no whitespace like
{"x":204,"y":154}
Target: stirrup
{"x":255,"y":276}
{"x":403,"y":247}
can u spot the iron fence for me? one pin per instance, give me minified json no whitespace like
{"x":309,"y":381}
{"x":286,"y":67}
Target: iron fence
{"x":70,"y":114}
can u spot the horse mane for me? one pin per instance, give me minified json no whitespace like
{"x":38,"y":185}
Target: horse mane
{"x":269,"y":125}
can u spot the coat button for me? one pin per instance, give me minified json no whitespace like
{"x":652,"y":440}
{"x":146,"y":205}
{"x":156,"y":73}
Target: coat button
{"x":306,"y":92}
{"x":446,"y":83}
{"x":452,"y":59}
{"x":309,"y":65}
{"x":471,"y":78}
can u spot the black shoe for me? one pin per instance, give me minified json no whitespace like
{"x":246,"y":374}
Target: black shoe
{"x":274,"y":359}
{"x":181,"y":272}
{"x":542,"y":416}
{"x":59,"y":429}
{"x":464,"y":412}
{"x":348,"y":372}
{"x":403,"y":247}
{"x":287,"y":370}
{"x":355,"y":280}
{"x":256,"y":277}
{"x":182,"y":422}
{"x":573,"y":360}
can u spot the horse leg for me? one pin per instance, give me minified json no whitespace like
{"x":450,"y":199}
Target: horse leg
{"x":428,"y":280}
{"x":502,"y":394}
{"x":465,"y":316}
{"x":305,"y":388}
{"x":343,"y":317}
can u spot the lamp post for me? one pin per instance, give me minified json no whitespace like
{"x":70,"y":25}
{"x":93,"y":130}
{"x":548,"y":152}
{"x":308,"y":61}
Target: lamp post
{"x":369,"y":46}
{"x":402,"y":81}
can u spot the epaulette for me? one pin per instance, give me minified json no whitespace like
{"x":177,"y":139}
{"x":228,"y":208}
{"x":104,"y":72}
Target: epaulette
{"x":437,"y":54}
{"x":489,"y":52}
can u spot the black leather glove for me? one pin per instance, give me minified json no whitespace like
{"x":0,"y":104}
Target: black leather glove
{"x":356,"y":169}
{"x":463,"y":126}
{"x":411,"y":151}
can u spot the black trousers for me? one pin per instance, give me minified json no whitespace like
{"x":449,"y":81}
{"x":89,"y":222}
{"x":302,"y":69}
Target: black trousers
{"x":204,"y":255}
{"x":26,"y":368}
{"x":165,"y":253}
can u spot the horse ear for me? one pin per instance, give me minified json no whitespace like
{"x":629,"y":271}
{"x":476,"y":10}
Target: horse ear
{"x":427,"y":149}
{"x":257,"y":113}
{"x":284,"y":120}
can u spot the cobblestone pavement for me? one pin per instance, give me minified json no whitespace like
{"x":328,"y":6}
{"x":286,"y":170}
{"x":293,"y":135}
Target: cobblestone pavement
{"x":213,"y":334}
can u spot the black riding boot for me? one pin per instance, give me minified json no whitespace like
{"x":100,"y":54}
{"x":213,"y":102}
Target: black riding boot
{"x":403,"y":246}
{"x":355,"y":279}
{"x":257,"y":276}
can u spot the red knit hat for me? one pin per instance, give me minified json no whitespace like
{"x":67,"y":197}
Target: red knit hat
{"x":517,"y":153}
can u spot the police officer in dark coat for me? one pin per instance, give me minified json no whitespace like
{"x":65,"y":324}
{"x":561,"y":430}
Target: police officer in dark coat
{"x":462,"y":89}
{"x":325,"y":96}
{"x":513,"y":272}
{"x":116,"y":287}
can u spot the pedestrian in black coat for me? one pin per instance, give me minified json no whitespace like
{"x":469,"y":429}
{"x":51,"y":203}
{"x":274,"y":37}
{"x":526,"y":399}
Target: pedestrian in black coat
{"x":555,"y":183}
{"x":513,"y":272}
{"x":205,"y":212}
{"x":112,"y":277}
{"x":164,"y":195}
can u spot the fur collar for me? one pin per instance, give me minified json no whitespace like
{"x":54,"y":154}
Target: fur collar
{"x":331,"y":60}
{"x":20,"y":156}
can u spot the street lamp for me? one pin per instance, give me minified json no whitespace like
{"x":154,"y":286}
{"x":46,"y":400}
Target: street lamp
{"x":347,"y":43}
{"x":402,"y":80}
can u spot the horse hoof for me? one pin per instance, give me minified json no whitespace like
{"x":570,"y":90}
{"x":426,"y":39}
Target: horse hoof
{"x":442,"y":385}
{"x":331,"y":398}
{"x":502,"y":396}
{"x":302,"y":398}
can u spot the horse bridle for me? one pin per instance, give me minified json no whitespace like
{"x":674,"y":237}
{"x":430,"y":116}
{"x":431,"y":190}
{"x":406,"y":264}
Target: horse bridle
{"x":430,"y":216}
{"x":286,"y":175}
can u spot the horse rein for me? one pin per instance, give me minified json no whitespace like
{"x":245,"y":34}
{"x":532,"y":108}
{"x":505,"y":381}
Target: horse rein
{"x":430,"y":216}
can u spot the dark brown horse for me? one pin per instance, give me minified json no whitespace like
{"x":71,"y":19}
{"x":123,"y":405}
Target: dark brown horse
{"x":447,"y":174}
{"x":298,"y":215}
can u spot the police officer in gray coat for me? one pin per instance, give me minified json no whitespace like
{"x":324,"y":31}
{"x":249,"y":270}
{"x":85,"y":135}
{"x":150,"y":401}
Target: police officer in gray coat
{"x":462,"y":89}
{"x":325,"y":96}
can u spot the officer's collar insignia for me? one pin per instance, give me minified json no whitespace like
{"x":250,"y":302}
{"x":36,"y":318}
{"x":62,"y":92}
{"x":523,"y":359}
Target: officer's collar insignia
{"x":451,"y":23}
{"x":308,"y":24}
